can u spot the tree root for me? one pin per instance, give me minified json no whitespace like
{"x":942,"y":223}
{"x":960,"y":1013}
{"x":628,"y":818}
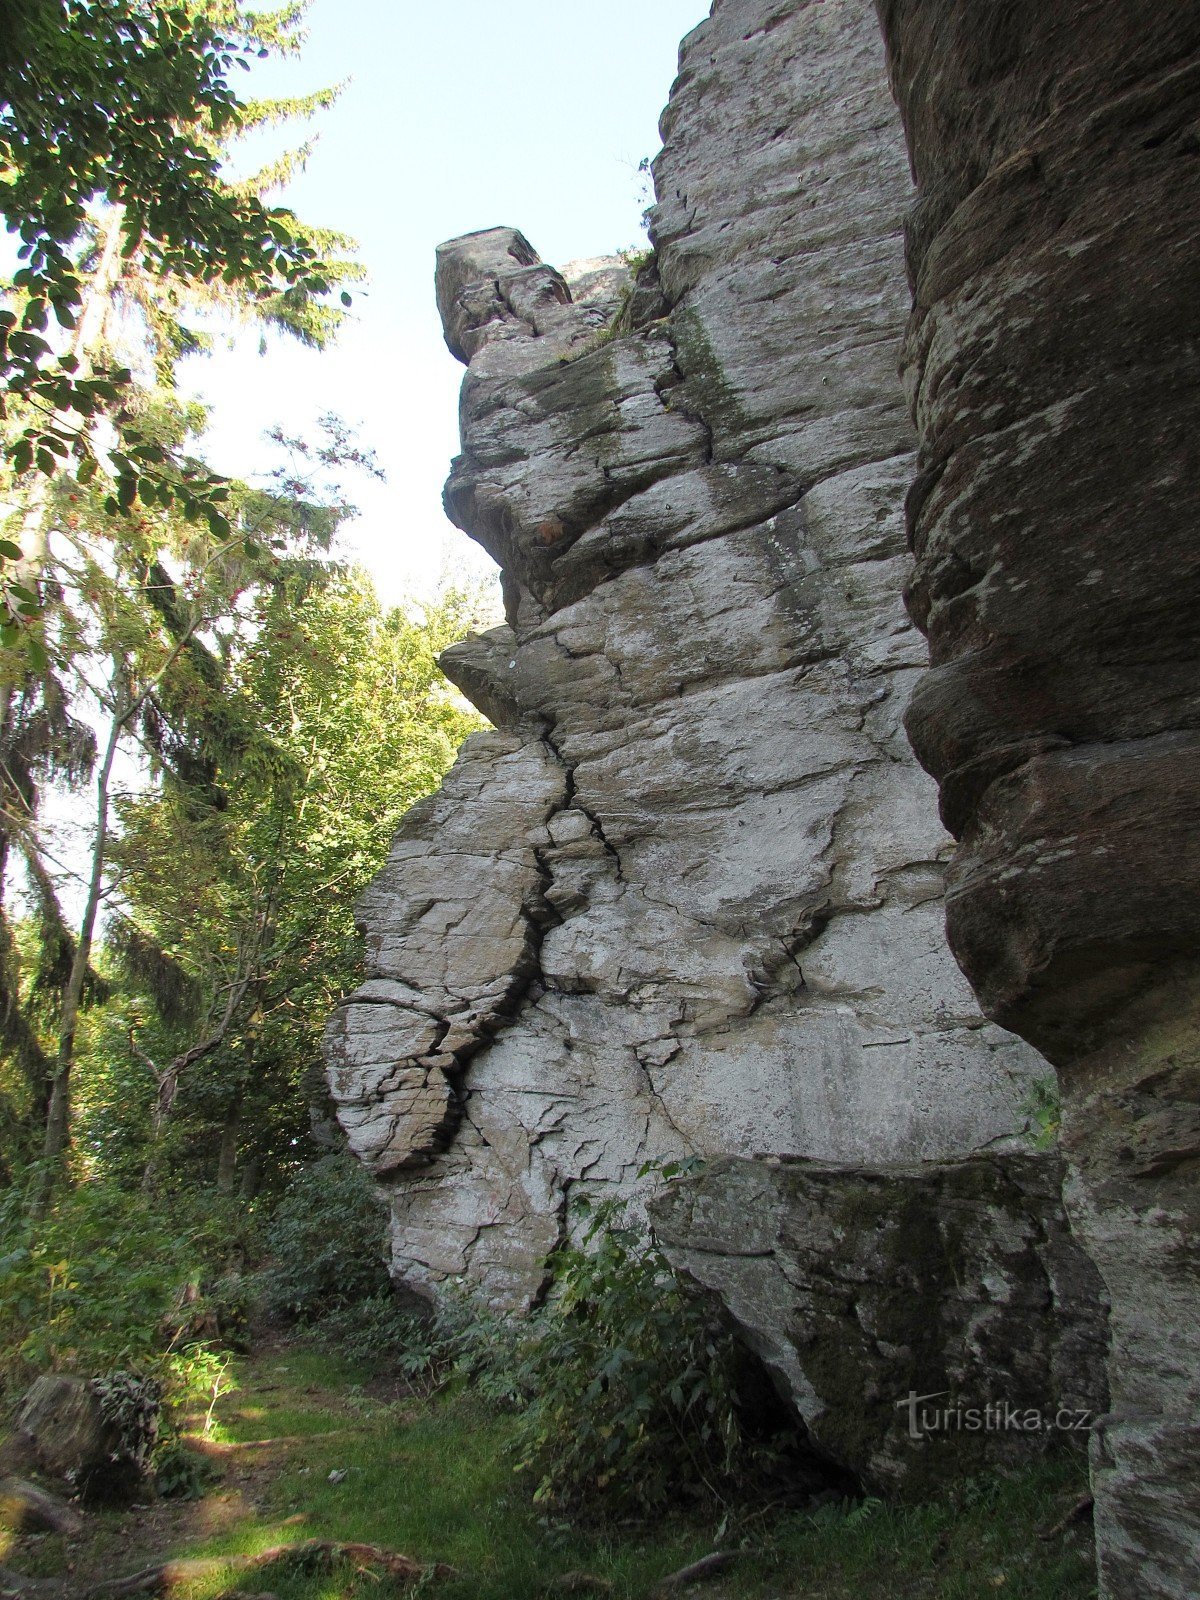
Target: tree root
{"x":1077,"y":1513}
{"x":311,"y":1553}
{"x":699,"y":1571}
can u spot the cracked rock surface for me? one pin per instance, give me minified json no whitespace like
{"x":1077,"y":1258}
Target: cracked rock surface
{"x":687,"y":898}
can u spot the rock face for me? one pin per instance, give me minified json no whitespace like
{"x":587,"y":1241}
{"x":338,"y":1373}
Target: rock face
{"x":687,"y":898}
{"x":1050,"y":362}
{"x":953,"y":1286}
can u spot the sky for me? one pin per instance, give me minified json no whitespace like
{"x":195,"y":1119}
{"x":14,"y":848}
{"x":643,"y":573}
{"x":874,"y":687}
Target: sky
{"x":455,"y":116}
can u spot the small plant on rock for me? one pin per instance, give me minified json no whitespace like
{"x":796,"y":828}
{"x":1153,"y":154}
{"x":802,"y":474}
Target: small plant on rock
{"x":1042,"y":1110}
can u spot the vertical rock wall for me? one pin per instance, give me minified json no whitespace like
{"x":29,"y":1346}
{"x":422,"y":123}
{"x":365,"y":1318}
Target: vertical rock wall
{"x":687,"y":898}
{"x":1051,"y":364}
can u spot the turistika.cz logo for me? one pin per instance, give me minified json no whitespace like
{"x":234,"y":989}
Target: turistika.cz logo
{"x":995,"y":1416}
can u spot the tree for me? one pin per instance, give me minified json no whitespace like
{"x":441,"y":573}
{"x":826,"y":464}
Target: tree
{"x":237,"y":920}
{"x":127,"y":105}
{"x":140,"y":553}
{"x":148,"y":649}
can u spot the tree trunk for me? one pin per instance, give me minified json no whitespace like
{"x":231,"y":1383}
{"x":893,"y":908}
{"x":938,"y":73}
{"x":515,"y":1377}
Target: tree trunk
{"x":58,"y":1117}
{"x":227,"y":1159}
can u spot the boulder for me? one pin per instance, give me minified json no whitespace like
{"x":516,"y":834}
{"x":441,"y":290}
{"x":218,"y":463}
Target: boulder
{"x":925,"y":1321}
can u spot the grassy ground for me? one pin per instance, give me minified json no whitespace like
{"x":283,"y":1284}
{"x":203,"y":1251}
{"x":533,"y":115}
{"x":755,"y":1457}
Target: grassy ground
{"x":430,"y":1478}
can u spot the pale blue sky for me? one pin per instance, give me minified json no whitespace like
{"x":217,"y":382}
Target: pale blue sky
{"x":458,"y":116}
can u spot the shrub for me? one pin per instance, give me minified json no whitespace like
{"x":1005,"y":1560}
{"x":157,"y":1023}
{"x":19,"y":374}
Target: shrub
{"x":383,"y":1331}
{"x":106,"y":1281}
{"x":628,"y":1392}
{"x":132,"y":1293}
{"x":131,"y":1404}
{"x":633,"y":1389}
{"x":326,"y":1239}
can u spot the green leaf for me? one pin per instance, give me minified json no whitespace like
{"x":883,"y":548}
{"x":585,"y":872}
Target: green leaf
{"x":9,"y":550}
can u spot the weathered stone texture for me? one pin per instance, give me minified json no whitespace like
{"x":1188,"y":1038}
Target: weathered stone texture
{"x":1051,"y":365}
{"x":688,"y":898}
{"x":955,"y":1285}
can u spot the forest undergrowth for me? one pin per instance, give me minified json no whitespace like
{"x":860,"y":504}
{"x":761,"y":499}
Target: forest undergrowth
{"x":319,"y":1440}
{"x":305,"y":1445}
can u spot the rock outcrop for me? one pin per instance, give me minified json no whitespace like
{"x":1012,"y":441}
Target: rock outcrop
{"x":687,"y":898}
{"x":928,"y":1320}
{"x":1051,"y":366}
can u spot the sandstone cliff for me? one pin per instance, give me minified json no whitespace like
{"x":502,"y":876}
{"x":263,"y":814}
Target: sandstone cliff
{"x":687,"y":899}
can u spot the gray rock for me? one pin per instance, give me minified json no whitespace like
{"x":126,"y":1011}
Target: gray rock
{"x":27,"y":1509}
{"x":61,"y":1426}
{"x":926,"y":1321}
{"x":689,"y":899}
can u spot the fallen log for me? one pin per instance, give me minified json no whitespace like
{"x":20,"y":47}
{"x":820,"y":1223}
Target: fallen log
{"x":699,"y":1571}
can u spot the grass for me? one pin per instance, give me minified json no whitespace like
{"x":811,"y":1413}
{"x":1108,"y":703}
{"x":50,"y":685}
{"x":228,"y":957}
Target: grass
{"x":430,"y":1478}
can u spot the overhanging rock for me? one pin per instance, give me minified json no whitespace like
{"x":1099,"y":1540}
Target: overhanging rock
{"x":926,"y":1321}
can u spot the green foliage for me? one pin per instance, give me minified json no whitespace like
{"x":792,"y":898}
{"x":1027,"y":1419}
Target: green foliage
{"x":245,"y":888}
{"x":385,"y":1334}
{"x":179,"y":1473}
{"x":637,"y":259}
{"x":627,"y":1392}
{"x":433,"y":1479}
{"x":633,"y":1389}
{"x":130,"y":104}
{"x":1042,"y":1110}
{"x":135,"y":564}
{"x":326,"y":1242}
{"x":131,"y":1403}
{"x":108,"y":1281}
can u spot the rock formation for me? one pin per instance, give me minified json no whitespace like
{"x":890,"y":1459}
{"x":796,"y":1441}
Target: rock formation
{"x":928,"y":1320}
{"x":687,"y":898}
{"x":1051,"y":366}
